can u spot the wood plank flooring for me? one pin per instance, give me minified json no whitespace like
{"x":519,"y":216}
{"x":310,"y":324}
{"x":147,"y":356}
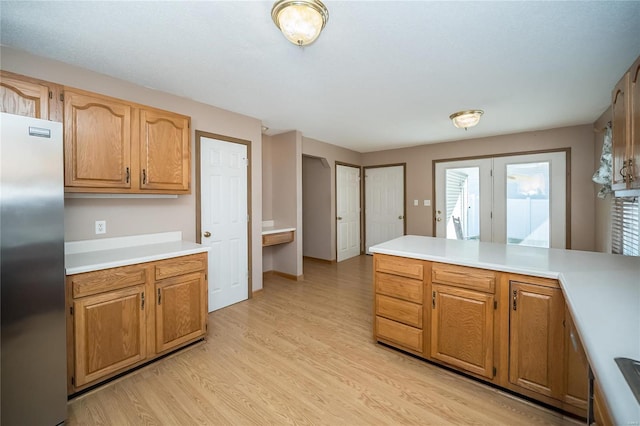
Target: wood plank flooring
{"x":301,"y":353}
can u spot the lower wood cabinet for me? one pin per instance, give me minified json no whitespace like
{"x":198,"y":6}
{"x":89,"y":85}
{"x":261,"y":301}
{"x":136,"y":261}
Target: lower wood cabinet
{"x":536,"y":338}
{"x":508,"y":329}
{"x":109,"y":331}
{"x":123,"y":317}
{"x":462,"y":329}
{"x":181,"y":312}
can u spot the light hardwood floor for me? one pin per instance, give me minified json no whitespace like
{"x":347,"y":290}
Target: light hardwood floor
{"x":301,"y":353}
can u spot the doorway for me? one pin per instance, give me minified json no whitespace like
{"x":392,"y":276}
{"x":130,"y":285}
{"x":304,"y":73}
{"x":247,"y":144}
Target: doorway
{"x":515,"y":199}
{"x":223,"y":215}
{"x":347,"y":211}
{"x":384,"y":201}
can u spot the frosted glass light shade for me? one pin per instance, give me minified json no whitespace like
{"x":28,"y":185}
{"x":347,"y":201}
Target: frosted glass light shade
{"x":301,"y":21}
{"x":465,"y":119}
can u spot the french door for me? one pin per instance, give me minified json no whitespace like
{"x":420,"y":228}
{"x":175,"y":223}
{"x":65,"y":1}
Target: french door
{"x":519,"y":199}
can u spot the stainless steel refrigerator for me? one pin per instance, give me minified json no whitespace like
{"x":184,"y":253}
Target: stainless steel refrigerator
{"x":32,"y":309}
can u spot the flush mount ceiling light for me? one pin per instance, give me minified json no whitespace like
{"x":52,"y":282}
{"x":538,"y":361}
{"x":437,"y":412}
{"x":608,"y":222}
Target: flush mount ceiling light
{"x":465,"y":119}
{"x":301,"y":21}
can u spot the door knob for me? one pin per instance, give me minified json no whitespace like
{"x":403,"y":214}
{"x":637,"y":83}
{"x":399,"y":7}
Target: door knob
{"x":339,"y":218}
{"x":439,"y":219}
{"x":400,"y":217}
{"x":207,"y":234}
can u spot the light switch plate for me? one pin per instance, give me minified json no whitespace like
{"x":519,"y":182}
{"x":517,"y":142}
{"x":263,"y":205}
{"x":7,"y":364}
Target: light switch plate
{"x":101,"y":227}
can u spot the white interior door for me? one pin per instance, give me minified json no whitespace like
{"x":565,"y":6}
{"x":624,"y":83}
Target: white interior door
{"x":517,"y":199}
{"x":224,"y":216}
{"x":347,"y":211}
{"x":384,"y":204}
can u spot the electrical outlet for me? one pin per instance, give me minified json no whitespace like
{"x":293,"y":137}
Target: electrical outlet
{"x":101,"y":226}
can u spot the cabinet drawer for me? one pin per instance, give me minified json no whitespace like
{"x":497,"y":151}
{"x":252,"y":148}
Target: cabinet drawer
{"x":403,"y":288}
{"x":403,"y":335}
{"x":399,"y":310}
{"x":462,"y":276}
{"x":106,"y":280}
{"x":401,"y":266}
{"x":180,"y":265}
{"x":279,"y":238}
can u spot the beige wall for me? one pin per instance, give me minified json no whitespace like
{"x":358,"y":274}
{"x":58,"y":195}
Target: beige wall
{"x":143,"y":215}
{"x":602,"y":218}
{"x":419,"y":172}
{"x":285,"y":200}
{"x":316,"y":208}
{"x":331,"y":153}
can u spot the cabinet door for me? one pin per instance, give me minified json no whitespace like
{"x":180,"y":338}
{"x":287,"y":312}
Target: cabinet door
{"x":576,"y":367}
{"x":24,"y":98}
{"x":462,"y":328}
{"x":97,"y":141}
{"x":620,"y":129}
{"x":536,"y":340}
{"x":109,"y":332}
{"x":181,"y":311}
{"x":634,"y":151}
{"x":165,"y":158}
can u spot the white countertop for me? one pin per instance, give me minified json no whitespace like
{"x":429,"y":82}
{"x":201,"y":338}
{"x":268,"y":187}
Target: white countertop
{"x":266,"y":230}
{"x":94,"y":255}
{"x":601,"y":290}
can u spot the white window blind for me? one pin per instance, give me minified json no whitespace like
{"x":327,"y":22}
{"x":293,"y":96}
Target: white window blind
{"x":625,"y":233}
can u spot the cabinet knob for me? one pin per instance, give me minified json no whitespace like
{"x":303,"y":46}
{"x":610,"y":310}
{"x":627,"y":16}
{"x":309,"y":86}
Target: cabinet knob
{"x":207,"y":234}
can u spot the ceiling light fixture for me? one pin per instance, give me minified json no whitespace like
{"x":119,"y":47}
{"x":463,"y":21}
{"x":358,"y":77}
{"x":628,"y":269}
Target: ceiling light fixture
{"x":301,"y":21}
{"x":465,"y":119}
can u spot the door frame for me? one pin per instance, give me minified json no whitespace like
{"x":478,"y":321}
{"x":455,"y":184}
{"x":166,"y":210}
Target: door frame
{"x":200,"y":134}
{"x":364,"y":196}
{"x":567,"y":152}
{"x":335,"y":203}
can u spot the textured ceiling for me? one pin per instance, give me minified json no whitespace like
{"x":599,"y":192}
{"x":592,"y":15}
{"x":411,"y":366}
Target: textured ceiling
{"x":383,"y":74}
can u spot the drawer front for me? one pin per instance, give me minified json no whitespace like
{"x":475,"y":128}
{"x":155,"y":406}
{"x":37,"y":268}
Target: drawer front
{"x":399,"y":310}
{"x":279,"y":238}
{"x":401,"y":334}
{"x":402,"y":288}
{"x":180,"y":266}
{"x":106,"y":280}
{"x":462,"y":276}
{"x":410,"y":268}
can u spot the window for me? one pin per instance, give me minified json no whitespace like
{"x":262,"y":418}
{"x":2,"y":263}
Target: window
{"x":625,"y":227}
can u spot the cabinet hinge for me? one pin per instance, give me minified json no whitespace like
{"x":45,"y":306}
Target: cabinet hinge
{"x":159,"y":297}
{"x":61,"y":97}
{"x":142,"y":301}
{"x":205,"y":277}
{"x":73,"y":380}
{"x":50,"y":94}
{"x":433,"y":299}
{"x":495,"y":370}
{"x":70,"y":310}
{"x":495,"y":304}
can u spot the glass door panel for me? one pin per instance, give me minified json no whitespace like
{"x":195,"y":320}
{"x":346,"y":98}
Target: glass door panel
{"x":528,"y":204}
{"x":463,"y":199}
{"x":462,"y":195}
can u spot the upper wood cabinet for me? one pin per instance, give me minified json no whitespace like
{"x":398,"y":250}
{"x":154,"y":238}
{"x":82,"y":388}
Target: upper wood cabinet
{"x":625,"y":105}
{"x":117,"y":146}
{"x":97,"y":141}
{"x":164,"y":150}
{"x":29,"y":97}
